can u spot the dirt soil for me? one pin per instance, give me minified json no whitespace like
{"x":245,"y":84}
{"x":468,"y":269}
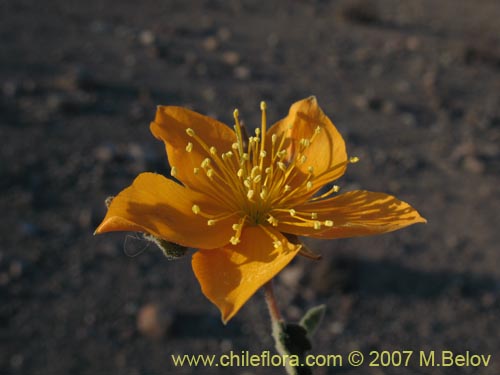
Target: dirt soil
{"x":413,"y":86}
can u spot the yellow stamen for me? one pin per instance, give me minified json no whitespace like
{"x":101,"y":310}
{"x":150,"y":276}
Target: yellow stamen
{"x":353,"y":159}
{"x":250,"y":194}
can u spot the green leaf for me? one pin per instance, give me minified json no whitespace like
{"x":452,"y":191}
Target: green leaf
{"x":292,"y":340}
{"x":312,"y":319}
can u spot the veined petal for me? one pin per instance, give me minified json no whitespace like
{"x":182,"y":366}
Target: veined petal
{"x":352,"y":214}
{"x":229,"y":276}
{"x":163,"y":208}
{"x":170,"y":126}
{"x":326,"y":153}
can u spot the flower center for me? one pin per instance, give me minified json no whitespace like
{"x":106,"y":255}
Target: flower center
{"x":261,"y":178}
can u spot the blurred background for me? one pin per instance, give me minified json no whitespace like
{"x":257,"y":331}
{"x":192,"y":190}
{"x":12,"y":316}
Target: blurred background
{"x":414,"y":88}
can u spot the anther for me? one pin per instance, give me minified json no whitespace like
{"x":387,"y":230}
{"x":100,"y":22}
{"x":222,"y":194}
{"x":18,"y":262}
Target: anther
{"x":234,"y":241}
{"x":239,"y":173}
{"x":257,"y":132}
{"x":305,"y":142}
{"x":210,"y":173}
{"x":173,"y":171}
{"x":281,"y":154}
{"x":263,"y":106}
{"x":303,"y":159}
{"x":205,"y":163}
{"x":196,"y":209}
{"x":235,"y":146}
{"x":254,"y":171}
{"x":213,"y":150}
{"x":272,"y":220}
{"x":263,"y":154}
{"x":190,"y":132}
{"x":281,"y":166}
{"x":317,"y":130}
{"x":257,"y":178}
{"x":196,"y":170}
{"x":310,"y":169}
{"x":353,"y":159}
{"x":250,"y":194}
{"x":314,"y":215}
{"x":317,"y":225}
{"x":309,"y":185}
{"x":268,"y":170}
{"x":236,"y":113}
{"x":287,"y":188}
{"x":274,"y":138}
{"x":189,"y":147}
{"x":211,"y":222}
{"x":277,"y":244}
{"x":328,"y":223}
{"x":292,"y":212}
{"x":236,"y":227}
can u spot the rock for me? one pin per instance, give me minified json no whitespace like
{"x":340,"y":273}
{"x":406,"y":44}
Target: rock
{"x":16,"y":269}
{"x":153,"y":321}
{"x":104,"y":153}
{"x":231,"y":58}
{"x":242,"y":72}
{"x":4,"y":278}
{"x":147,"y":37}
{"x":292,"y":275}
{"x":210,"y":44}
{"x":224,"y":34}
{"x":473,"y":164}
{"x":10,"y":89}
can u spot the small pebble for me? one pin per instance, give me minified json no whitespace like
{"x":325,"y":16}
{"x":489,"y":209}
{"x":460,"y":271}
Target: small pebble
{"x":242,"y":72}
{"x":147,"y":38}
{"x":153,"y":321}
{"x":16,"y":269}
{"x":231,"y":58}
{"x":473,"y":164}
{"x":210,"y":44}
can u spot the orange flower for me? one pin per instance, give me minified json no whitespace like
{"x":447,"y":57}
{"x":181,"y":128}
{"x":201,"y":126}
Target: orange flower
{"x":243,"y":202}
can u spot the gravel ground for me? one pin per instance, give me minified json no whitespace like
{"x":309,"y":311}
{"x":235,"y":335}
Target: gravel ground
{"x":414,"y":87}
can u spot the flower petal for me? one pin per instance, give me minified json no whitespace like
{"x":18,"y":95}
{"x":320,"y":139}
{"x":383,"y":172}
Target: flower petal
{"x":326,"y":153}
{"x":229,"y":276}
{"x":170,"y":126}
{"x":356,"y":213}
{"x":163,"y":208}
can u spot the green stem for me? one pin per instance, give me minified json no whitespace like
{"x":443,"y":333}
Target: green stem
{"x":277,"y":324}
{"x":272,"y":305}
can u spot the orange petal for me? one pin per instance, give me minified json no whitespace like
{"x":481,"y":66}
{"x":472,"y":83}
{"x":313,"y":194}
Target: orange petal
{"x":356,"y":213}
{"x":170,"y":126}
{"x":163,"y":208}
{"x":326,"y":154}
{"x":229,"y":276}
